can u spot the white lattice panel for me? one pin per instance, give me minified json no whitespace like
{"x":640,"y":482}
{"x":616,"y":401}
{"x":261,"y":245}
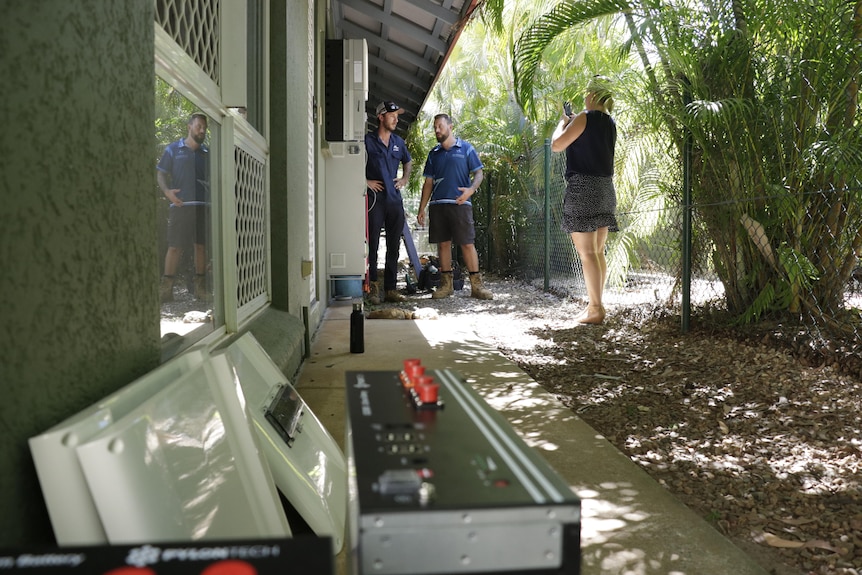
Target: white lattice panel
{"x":194,"y":26}
{"x":251,"y":227}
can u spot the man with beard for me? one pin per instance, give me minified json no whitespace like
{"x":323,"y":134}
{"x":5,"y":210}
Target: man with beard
{"x":453,"y":172}
{"x":183,"y":176}
{"x":386,"y":150}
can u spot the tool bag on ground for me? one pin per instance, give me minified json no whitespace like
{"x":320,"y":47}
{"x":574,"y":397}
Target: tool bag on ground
{"x":429,"y":276}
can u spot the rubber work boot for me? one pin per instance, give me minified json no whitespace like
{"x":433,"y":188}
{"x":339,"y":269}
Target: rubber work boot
{"x":166,"y":289}
{"x":201,"y":292}
{"x":374,"y":293}
{"x":445,"y":289}
{"x":477,"y":290}
{"x":394,"y":296}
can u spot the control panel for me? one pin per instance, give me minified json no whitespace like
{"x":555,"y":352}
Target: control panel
{"x":441,"y":483}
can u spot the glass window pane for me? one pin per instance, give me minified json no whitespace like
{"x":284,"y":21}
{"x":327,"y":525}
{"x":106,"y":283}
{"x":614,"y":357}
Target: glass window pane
{"x":186,"y":159}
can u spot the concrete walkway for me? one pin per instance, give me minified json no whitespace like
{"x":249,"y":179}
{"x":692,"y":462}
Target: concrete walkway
{"x":630,"y":524}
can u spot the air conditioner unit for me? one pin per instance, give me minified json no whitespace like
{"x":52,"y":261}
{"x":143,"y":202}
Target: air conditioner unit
{"x":346,"y":79}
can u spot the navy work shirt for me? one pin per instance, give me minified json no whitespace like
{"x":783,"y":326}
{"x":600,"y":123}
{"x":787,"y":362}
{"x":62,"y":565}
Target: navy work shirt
{"x":382,"y":163}
{"x":450,"y":169}
{"x":187,"y":169}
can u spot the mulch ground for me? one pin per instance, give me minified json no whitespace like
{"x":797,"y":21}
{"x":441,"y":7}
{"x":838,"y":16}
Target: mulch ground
{"x":756,"y":428}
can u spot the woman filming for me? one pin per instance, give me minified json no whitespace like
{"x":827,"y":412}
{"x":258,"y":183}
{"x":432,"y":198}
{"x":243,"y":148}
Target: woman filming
{"x":589,"y":138}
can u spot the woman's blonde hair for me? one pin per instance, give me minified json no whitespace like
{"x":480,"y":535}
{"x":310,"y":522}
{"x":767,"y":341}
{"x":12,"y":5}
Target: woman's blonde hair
{"x":600,"y":86}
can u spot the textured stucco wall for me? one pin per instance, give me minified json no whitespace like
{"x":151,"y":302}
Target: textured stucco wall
{"x":78,"y":257}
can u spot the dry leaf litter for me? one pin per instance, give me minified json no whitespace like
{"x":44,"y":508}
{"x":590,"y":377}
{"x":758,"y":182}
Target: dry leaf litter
{"x":750,"y":427}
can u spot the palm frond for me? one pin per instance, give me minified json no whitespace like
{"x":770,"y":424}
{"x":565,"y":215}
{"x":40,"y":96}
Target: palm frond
{"x":527,"y":50}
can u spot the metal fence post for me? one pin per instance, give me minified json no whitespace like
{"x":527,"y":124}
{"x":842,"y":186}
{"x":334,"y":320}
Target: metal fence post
{"x":547,"y":267}
{"x":489,"y":205}
{"x":686,"y":226}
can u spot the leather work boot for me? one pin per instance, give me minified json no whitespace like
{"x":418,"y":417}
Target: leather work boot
{"x":166,"y":289}
{"x":374,"y":293}
{"x":477,"y":290}
{"x":394,"y":296}
{"x":445,"y":289}
{"x":201,"y":292}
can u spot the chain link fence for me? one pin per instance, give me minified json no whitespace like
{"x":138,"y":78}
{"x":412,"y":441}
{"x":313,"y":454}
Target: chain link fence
{"x":521,"y":237}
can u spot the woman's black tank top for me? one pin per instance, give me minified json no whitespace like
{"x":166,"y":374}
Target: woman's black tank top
{"x":593,"y":152}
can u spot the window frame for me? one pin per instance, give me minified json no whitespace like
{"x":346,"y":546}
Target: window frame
{"x":178,"y":69}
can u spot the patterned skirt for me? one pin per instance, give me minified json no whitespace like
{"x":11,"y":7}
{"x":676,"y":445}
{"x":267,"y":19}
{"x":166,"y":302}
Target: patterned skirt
{"x":589,"y":204}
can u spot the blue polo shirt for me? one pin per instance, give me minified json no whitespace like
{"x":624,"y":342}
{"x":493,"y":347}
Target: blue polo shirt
{"x":188,"y":170}
{"x":450,"y":169}
{"x":382,"y":162}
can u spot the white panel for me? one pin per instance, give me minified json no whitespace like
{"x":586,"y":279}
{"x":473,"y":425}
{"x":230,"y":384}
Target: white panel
{"x":337,"y":149}
{"x":311,"y":471}
{"x":70,"y":506}
{"x":337,"y":261}
{"x":313,"y":131}
{"x":184,"y":465}
{"x":355,"y":88}
{"x":179,"y":70}
{"x":234,"y":53}
{"x":227,"y":228}
{"x":345,"y":209}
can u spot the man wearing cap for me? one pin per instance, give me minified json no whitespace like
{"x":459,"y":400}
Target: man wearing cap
{"x":386,"y":150}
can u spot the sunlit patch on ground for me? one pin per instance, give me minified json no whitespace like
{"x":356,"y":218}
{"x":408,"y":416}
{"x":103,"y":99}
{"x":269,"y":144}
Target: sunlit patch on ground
{"x":764,"y":445}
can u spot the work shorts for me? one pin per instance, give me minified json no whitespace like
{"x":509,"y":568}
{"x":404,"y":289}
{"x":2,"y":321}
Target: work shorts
{"x":186,"y":225}
{"x":451,"y":222}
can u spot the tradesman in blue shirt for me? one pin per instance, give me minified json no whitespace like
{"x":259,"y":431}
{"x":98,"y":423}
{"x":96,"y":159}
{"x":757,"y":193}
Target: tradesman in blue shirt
{"x":386,"y":150}
{"x":183,"y":176}
{"x":453,"y":173}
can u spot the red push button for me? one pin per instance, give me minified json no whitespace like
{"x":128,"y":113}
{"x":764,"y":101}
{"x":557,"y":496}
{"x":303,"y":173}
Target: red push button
{"x":428,"y":392}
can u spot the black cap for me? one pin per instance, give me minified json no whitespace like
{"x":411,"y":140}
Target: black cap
{"x":384,"y":107}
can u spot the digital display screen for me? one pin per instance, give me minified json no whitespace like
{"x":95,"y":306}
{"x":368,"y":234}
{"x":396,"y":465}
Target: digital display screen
{"x":285,"y":412}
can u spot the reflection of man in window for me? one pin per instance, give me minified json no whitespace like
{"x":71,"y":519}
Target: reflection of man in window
{"x":183,"y":176}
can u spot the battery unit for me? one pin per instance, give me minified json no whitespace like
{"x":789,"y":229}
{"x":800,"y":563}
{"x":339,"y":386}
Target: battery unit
{"x":439,"y":483}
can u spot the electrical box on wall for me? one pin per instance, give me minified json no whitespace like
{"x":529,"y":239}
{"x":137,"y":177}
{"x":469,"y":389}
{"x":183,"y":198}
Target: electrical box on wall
{"x":346,"y":78}
{"x":345,"y":210}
